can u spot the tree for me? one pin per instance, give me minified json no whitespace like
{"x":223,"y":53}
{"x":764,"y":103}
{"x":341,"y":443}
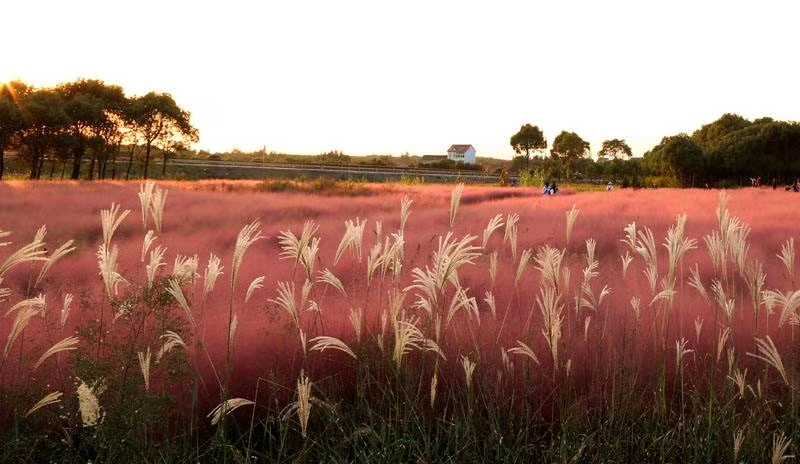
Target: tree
{"x":91,"y":106}
{"x":45,"y":123}
{"x":709,"y":135}
{"x":528,"y":138}
{"x":679,"y":157}
{"x":615,"y":149}
{"x":11,"y":118}
{"x":161,"y":123}
{"x":569,"y":147}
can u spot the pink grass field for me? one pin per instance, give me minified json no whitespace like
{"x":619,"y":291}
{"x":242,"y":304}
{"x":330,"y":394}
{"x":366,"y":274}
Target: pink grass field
{"x":199,"y":220}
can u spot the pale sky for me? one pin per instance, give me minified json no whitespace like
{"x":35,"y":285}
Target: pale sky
{"x":389,"y":77}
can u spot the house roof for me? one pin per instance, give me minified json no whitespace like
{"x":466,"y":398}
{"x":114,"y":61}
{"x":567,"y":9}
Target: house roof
{"x":459,"y":148}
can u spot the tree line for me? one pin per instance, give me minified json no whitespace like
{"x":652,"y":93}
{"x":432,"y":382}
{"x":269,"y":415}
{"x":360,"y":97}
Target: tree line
{"x":88,"y":122}
{"x":729,"y":151}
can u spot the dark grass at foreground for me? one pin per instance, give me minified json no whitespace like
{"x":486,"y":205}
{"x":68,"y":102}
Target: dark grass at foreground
{"x":550,"y":371}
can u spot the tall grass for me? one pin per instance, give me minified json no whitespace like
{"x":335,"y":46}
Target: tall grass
{"x":566,"y":357}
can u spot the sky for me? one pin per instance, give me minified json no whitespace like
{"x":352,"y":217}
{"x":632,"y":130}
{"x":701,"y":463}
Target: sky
{"x":380,"y":77}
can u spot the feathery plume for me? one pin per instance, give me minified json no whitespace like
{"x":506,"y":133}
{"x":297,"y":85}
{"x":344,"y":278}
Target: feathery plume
{"x":768,"y":353}
{"x":107,"y":263}
{"x":494,"y":223}
{"x":524,"y":350}
{"x":50,"y":398}
{"x":493,"y":267}
{"x":323,"y":343}
{"x":780,"y":444}
{"x":572,"y":216}
{"x":51,"y":260}
{"x":65,"y":309}
{"x":328,"y":277}
{"x":489,"y":299}
{"x":89,"y":405}
{"x":787,"y":257}
{"x":156,"y":262}
{"x":171,"y":341}
{"x":110,"y":220}
{"x":157,"y":203}
{"x":211,"y":274}
{"x":144,"y":366}
{"x":405,"y":211}
{"x":257,"y":283}
{"x":227,"y":407}
{"x":249,"y":234}
{"x":149,"y":238}
{"x":67,"y":344}
{"x":510,"y":234}
{"x":524,"y":259}
{"x":351,"y":240}
{"x":469,"y":371}
{"x":455,"y":201}
{"x":145,"y":199}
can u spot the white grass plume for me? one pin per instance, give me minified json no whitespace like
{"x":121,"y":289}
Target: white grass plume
{"x":65,"y":249}
{"x":227,"y":407}
{"x":455,"y":201}
{"x":494,"y":223}
{"x":149,"y":238}
{"x":351,"y":240}
{"x":67,"y":344}
{"x":107,"y":263}
{"x":524,"y":350}
{"x":256,"y":284}
{"x":328,"y":277}
{"x":212,"y":272}
{"x":768,"y":353}
{"x":110,"y":219}
{"x":65,"y":309}
{"x":50,"y":398}
{"x":144,"y":367}
{"x":510,"y":233}
{"x":171,"y":340}
{"x":323,"y":343}
{"x":572,"y":216}
{"x":405,"y":211}
{"x":249,"y":234}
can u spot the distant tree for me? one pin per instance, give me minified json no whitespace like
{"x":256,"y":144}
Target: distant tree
{"x":568,"y":148}
{"x":12,"y":121}
{"x":679,"y":157}
{"x":709,"y":136}
{"x":615,"y":149}
{"x":529,"y":138}
{"x":160,"y":123}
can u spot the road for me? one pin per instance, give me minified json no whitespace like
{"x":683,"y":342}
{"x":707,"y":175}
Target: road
{"x":337,"y":171}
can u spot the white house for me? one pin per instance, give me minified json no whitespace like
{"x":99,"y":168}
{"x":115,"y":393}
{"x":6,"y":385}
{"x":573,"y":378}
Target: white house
{"x":461,"y":153}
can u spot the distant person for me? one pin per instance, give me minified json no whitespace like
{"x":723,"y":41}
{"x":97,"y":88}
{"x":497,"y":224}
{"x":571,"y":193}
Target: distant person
{"x":609,"y":186}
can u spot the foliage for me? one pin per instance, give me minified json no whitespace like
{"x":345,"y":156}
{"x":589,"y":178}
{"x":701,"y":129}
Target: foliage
{"x":528,"y":139}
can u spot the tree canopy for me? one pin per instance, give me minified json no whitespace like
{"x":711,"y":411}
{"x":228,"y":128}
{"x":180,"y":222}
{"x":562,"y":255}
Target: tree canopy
{"x":569,"y":147}
{"x":87,"y":118}
{"x":529,"y":138}
{"x":615,"y":149}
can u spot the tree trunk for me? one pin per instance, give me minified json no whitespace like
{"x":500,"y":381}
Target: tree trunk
{"x":52,"y":168}
{"x":41,"y":167}
{"x":76,"y":163}
{"x":2,"y":162}
{"x":146,"y":160}
{"x":90,"y":176}
{"x":164,"y":166}
{"x":114,"y":162}
{"x":63,"y":168}
{"x":130,"y":163}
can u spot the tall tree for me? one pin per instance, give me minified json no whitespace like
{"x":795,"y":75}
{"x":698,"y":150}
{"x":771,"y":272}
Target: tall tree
{"x":11,"y":118}
{"x":90,"y":105}
{"x":529,"y":138}
{"x":615,"y":149}
{"x":45,"y":122}
{"x":679,"y":157}
{"x":569,"y":147}
{"x":161,"y":123}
